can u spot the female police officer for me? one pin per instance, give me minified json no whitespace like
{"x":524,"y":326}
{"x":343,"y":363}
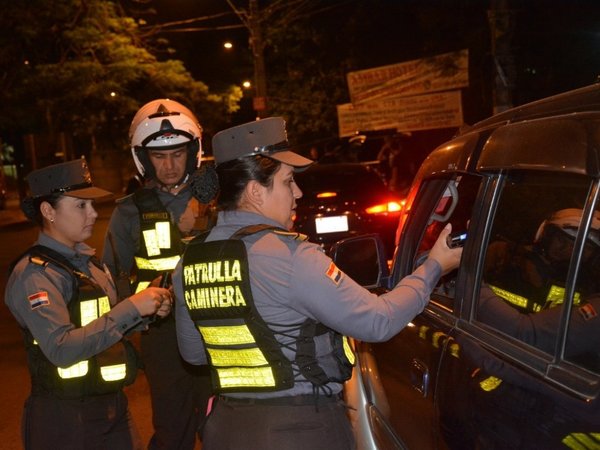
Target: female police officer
{"x":65,"y":303}
{"x":260,"y":305}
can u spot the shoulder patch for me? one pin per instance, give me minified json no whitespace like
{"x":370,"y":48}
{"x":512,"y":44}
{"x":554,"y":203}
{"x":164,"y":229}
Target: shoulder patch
{"x":38,"y":299}
{"x":587,"y":311}
{"x":333,"y":273}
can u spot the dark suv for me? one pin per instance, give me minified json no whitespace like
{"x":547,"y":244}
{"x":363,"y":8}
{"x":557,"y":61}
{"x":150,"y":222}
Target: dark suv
{"x":507,"y":353}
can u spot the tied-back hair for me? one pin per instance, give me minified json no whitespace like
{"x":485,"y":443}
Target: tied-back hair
{"x":31,"y":206}
{"x":236,"y":174}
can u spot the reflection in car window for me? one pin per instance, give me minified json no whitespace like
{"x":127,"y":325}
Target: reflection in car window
{"x":528,"y":256}
{"x":467,"y":187}
{"x":583,"y":335}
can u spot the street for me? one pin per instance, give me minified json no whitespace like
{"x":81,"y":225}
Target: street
{"x":15,"y":239}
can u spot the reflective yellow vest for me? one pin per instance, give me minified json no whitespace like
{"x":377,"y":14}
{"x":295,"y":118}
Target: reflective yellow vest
{"x":160,"y":240}
{"x":243,"y":352}
{"x":103,"y":373}
{"x":555,"y":297}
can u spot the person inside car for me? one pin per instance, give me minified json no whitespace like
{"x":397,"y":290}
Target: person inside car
{"x":532,"y":278}
{"x":546,"y":270}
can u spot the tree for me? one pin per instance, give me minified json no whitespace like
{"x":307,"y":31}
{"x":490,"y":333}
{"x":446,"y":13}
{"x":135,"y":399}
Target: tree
{"x":83,"y":68}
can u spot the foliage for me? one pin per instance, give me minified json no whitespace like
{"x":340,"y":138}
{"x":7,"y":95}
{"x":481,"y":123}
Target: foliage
{"x":306,"y":78}
{"x":84,"y":68}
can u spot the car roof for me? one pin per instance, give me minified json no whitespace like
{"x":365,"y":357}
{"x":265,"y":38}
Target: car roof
{"x":533,"y":136}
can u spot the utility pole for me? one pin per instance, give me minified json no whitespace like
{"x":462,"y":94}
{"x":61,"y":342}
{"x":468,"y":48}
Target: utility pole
{"x":257,"y":45}
{"x":501,"y":28}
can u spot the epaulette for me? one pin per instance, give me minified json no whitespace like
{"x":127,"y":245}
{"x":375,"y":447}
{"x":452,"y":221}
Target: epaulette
{"x":40,"y":255}
{"x":293,"y":234}
{"x":122,"y":199}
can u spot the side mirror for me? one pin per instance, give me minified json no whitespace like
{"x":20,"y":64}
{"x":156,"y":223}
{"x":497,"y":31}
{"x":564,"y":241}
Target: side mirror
{"x":363,"y":259}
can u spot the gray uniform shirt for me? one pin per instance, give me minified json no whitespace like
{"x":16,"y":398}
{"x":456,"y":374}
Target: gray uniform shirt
{"x":124,"y":227}
{"x":289,"y":281}
{"x":541,"y":329}
{"x":38,"y":296}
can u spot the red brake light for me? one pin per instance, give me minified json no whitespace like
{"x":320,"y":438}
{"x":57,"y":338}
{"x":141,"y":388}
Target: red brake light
{"x":386,"y":208}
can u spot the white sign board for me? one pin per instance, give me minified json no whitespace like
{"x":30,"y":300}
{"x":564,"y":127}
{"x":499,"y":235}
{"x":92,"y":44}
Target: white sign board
{"x":419,"y":112}
{"x":420,"y":76}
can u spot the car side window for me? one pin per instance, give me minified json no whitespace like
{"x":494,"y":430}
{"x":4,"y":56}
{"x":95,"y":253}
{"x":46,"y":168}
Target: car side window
{"x":583,"y":334}
{"x":455,"y":207}
{"x":531,"y":245}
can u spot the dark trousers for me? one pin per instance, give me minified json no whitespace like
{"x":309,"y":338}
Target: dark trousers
{"x":95,"y":423}
{"x":235,"y":425}
{"x":179,"y":391}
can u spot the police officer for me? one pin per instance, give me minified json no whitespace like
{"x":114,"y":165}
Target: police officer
{"x":144,"y":237}
{"x":65,"y":302}
{"x":533,"y":278}
{"x":545,"y":270}
{"x":268,"y":310}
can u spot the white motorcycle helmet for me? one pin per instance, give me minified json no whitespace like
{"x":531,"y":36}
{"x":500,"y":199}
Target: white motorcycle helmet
{"x":164,"y":124}
{"x":567,"y":221}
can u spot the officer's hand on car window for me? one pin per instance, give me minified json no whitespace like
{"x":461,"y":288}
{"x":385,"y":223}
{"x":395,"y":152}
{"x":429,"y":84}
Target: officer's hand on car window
{"x":448,"y":258}
{"x":152,"y":300}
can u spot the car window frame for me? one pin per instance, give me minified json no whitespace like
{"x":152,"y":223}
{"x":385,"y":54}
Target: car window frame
{"x":553,"y":368}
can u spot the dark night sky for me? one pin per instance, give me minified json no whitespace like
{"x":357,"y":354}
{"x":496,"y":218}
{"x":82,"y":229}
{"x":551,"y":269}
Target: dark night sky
{"x":555,"y":43}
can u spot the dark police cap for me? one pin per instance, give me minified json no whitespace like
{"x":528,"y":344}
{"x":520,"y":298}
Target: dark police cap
{"x":71,"y":178}
{"x":266,"y":137}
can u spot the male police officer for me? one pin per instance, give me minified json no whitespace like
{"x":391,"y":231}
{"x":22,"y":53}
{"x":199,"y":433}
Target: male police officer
{"x":534,"y":277}
{"x":144,"y":235}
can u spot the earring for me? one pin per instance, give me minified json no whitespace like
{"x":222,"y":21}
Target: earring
{"x":51,"y":220}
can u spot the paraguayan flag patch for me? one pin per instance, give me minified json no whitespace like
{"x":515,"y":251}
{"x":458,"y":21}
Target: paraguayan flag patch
{"x":333,"y":273}
{"x":587,"y":311}
{"x":38,"y":299}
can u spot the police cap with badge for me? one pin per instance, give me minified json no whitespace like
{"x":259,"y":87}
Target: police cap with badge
{"x":71,"y":178}
{"x":264,"y":137}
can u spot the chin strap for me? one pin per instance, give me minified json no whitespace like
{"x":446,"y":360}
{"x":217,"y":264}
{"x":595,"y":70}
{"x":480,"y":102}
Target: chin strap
{"x":174,"y":186}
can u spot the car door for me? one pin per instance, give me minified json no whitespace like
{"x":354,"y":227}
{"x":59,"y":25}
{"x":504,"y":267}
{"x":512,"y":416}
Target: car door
{"x":519,"y":374}
{"x":407,"y":364}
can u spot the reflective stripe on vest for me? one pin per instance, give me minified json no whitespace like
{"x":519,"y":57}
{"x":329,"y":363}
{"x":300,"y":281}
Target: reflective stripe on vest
{"x":235,"y":377}
{"x":515,"y":299}
{"x":348,"y":350}
{"x":159,"y":237}
{"x":490,"y":383}
{"x":555,"y":297}
{"x":90,"y":310}
{"x":141,"y":286}
{"x":252,"y":372}
{"x":582,"y":441}
{"x":158,"y":264}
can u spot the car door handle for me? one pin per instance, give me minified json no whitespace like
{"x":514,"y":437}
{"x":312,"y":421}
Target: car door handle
{"x":419,"y":376}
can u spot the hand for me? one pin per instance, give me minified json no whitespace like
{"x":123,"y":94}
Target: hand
{"x":153,"y":300}
{"x":448,"y":258}
{"x":155,"y":282}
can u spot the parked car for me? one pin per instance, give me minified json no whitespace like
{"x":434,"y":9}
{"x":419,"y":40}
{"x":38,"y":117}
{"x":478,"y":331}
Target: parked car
{"x":342,"y":200}
{"x":480,"y":368}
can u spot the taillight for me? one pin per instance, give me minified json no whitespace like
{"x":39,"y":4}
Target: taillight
{"x":393,"y":207}
{"x":326,"y":194}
